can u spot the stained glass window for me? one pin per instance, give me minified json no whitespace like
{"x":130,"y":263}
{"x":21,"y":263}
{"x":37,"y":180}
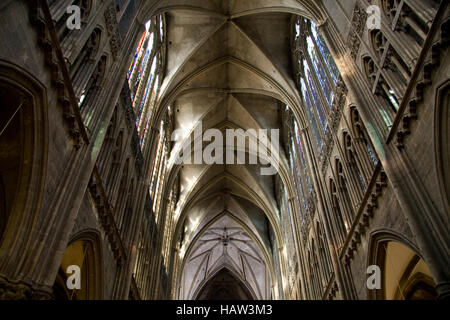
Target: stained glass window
{"x":327,"y":57}
{"x":320,"y":71}
{"x":300,"y":170}
{"x":315,"y":97}
{"x":310,"y":111}
{"x":143,"y":80}
{"x":319,"y":76}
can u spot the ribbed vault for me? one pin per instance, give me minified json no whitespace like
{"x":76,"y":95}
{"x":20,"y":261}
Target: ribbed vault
{"x":229,"y":65}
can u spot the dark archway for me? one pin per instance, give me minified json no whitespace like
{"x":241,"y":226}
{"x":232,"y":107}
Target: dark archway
{"x":224,"y":286}
{"x":11,"y":148}
{"x":85,"y":252}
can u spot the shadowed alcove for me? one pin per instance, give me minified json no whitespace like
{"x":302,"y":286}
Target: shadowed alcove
{"x":224,"y":286}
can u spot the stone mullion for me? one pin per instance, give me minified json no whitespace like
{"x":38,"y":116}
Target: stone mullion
{"x":348,"y":206}
{"x":322,"y":62}
{"x":155,"y":274}
{"x":147,"y":259}
{"x":136,"y":266}
{"x":318,"y":257}
{"x":82,"y":77}
{"x":314,"y":290}
{"x":147,"y":105}
{"x":143,"y":244}
{"x":160,"y":246}
{"x":338,"y":48}
{"x":392,"y":78}
{"x":115,"y":190}
{"x":319,"y":90}
{"x":153,"y":264}
{"x":359,"y":150}
{"x":384,"y":87}
{"x":327,"y":251}
{"x":150,"y":270}
{"x":154,"y":103}
{"x":425,"y":13}
{"x":58,"y":9}
{"x":395,"y":60}
{"x":299,"y":163}
{"x":340,"y":230}
{"x":356,"y":193}
{"x":296,"y":232}
{"x":127,"y":222}
{"x":121,"y":207}
{"x":363,"y":158}
{"x":104,"y":163}
{"x":343,"y":205}
{"x":137,"y":99}
{"x":314,"y":113}
{"x":167,"y":234}
{"x":155,"y":173}
{"x":318,"y":271}
{"x":352,"y":179}
{"x":332,"y":235}
{"x":120,"y":204}
{"x":405,"y":46}
{"x":144,"y":256}
{"x":160,"y":186}
{"x":415,"y":26}
{"x":147,"y":233}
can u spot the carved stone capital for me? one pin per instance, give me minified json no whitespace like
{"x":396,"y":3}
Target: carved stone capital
{"x":20,"y":290}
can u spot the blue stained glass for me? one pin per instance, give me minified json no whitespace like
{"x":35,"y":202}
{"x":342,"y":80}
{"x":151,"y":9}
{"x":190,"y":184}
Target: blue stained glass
{"x":141,"y":106}
{"x":310,"y":111}
{"x":133,"y":64}
{"x":315,"y":98}
{"x":371,"y":153}
{"x":331,"y":65}
{"x":321,"y":73}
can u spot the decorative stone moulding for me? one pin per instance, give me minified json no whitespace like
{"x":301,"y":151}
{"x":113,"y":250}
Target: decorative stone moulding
{"x":20,"y":290}
{"x":364,"y":219}
{"x":42,"y":22}
{"x":113,"y":30}
{"x":106,"y":217}
{"x":356,"y":30}
{"x":432,"y":62}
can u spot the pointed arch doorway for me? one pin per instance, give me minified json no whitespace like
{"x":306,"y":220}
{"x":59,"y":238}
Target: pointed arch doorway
{"x":225,"y":286}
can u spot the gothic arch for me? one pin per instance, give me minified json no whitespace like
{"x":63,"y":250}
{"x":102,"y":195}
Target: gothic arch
{"x":404,"y":273}
{"x":24,"y":127}
{"x":239,"y":289}
{"x":85,"y":251}
{"x":224,"y":260}
{"x":442,"y":136}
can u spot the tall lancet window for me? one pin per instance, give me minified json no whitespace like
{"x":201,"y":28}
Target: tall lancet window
{"x":318,"y":76}
{"x":145,"y":75}
{"x":300,"y":168}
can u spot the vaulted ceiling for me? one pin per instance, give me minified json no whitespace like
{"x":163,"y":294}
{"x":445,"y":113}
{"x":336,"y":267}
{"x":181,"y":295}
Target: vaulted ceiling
{"x":229,"y":65}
